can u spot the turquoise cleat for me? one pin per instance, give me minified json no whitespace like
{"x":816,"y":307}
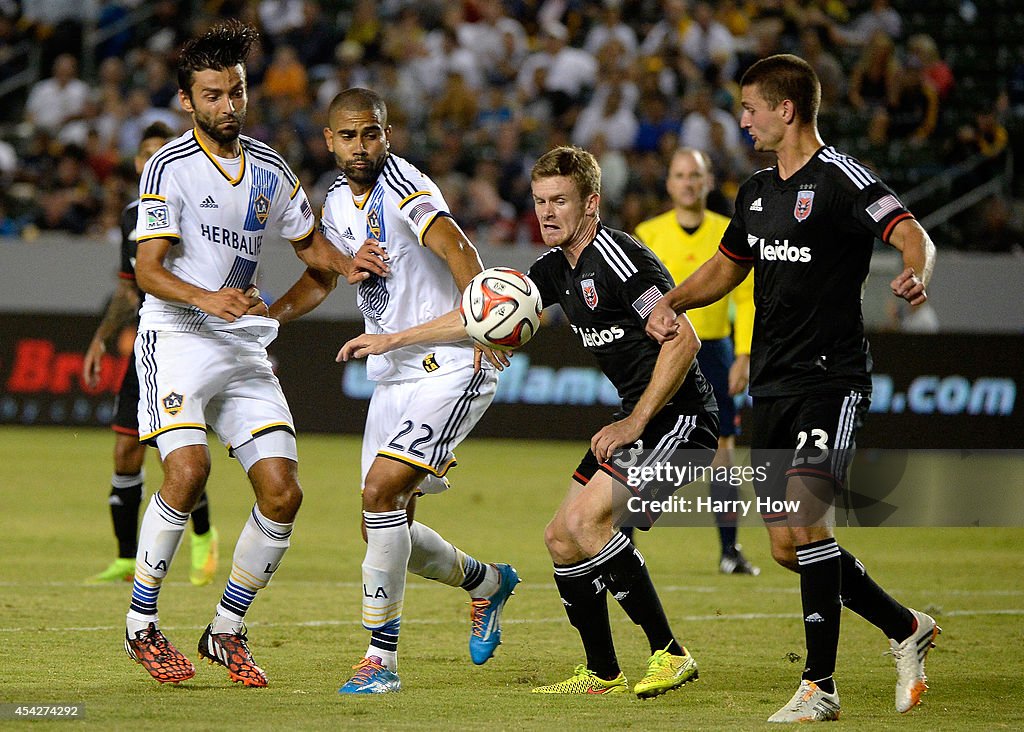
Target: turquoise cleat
{"x":486,"y":616}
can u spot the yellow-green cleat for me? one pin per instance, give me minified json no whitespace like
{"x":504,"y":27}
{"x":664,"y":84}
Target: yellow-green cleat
{"x":120,"y":570}
{"x":204,"y":552}
{"x":585,"y":681}
{"x":666,"y":672}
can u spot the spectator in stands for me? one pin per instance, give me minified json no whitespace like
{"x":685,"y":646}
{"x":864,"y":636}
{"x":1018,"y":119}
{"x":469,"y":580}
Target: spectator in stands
{"x":914,"y":115}
{"x":492,"y":34}
{"x":281,"y":17}
{"x":696,"y":131}
{"x":825,"y":65}
{"x":874,"y":80}
{"x":922,"y":47}
{"x":665,"y":36}
{"x":68,"y":195}
{"x":609,"y":27}
{"x":314,"y":40}
{"x":55,"y":100}
{"x":609,"y":115}
{"x":286,"y":83}
{"x":558,"y":73}
{"x":880,"y":17}
{"x":656,"y":121}
{"x":707,"y":42}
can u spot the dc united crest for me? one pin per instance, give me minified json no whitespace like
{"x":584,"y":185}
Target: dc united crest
{"x":589,"y":293}
{"x":804,"y":201}
{"x":173,"y":403}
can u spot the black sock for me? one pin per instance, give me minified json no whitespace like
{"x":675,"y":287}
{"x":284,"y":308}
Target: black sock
{"x":625,"y":574}
{"x":586,"y":603}
{"x":726,"y":521}
{"x":201,"y":516}
{"x":820,"y":580}
{"x":125,"y":498}
{"x":862,"y":594}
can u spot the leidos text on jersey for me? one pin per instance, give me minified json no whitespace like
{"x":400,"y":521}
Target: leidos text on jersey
{"x":781,"y":251}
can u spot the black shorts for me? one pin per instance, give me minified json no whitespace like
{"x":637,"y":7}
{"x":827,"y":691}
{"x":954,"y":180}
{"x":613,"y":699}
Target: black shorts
{"x":679,"y":438}
{"x":126,"y":404}
{"x":715,"y":359}
{"x":810,"y":435}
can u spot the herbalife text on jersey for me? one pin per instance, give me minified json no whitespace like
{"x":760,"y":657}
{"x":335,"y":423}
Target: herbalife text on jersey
{"x":680,"y":475}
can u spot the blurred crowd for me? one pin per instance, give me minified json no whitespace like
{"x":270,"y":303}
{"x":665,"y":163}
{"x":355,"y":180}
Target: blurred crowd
{"x":477,"y":90}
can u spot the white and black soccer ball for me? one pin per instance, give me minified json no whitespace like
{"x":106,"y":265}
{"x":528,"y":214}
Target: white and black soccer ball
{"x":501,"y":308}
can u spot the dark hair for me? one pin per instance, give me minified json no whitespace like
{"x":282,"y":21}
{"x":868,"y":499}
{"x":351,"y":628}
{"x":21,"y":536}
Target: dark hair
{"x":157,"y":129}
{"x":358,"y":99}
{"x":224,"y":45}
{"x":785,"y":76}
{"x":570,"y":162}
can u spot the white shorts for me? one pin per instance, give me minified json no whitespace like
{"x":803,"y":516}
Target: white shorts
{"x":218,"y":378}
{"x":420,"y":422}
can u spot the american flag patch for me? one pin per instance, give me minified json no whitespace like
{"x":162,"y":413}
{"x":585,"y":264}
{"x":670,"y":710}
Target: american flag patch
{"x":646,"y":302}
{"x":305,"y":209}
{"x":420,"y":210}
{"x":883,"y":207}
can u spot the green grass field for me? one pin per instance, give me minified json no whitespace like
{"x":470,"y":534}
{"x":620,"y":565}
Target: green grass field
{"x":61,"y":641}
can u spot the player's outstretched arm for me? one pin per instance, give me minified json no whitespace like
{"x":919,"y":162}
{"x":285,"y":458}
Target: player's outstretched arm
{"x":445,"y":239}
{"x":442,"y":329}
{"x":316,"y":252}
{"x":228,"y":303}
{"x":123,"y":306}
{"x":674,"y":361}
{"x":311,"y":289}
{"x":910,"y":238}
{"x":712,"y":281}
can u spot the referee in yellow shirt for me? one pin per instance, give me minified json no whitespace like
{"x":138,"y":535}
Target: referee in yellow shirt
{"x":684,"y":238}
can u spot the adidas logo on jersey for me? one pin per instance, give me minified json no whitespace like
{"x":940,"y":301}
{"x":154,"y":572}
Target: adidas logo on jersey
{"x":208,"y":202}
{"x":347,"y":234}
{"x":756,"y":205}
{"x":814,"y":618}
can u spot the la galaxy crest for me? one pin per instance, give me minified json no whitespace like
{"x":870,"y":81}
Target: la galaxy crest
{"x":173,"y":403}
{"x":804,"y":201}
{"x":261,"y":208}
{"x":589,"y":292}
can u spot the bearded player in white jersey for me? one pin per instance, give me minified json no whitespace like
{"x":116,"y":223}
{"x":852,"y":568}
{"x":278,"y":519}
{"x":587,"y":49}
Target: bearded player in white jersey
{"x":428,"y":396}
{"x":207,"y":201}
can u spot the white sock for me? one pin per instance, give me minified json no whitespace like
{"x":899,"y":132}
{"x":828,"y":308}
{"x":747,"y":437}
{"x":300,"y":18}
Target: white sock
{"x":435,"y":558}
{"x":388,"y":546}
{"x":258,"y":554}
{"x":159,"y":537}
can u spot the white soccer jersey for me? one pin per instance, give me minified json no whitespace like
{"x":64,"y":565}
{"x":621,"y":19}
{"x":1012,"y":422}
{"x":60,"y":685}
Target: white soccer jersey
{"x":217,"y":220}
{"x":397,"y":212}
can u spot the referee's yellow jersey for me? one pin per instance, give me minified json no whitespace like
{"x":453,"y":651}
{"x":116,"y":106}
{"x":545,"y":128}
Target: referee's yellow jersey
{"x":682,"y":254}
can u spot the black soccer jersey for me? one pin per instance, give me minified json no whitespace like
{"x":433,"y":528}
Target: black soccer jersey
{"x":810,"y":239}
{"x":129,"y":220}
{"x":607,"y":297}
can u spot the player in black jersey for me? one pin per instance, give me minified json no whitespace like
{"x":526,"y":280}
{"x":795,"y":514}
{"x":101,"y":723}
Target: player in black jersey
{"x":607,"y":283}
{"x":807,"y":226}
{"x":129,"y":454}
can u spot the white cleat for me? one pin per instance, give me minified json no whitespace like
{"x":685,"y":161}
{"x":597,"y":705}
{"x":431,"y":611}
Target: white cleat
{"x":809,"y":704}
{"x":910,"y":654}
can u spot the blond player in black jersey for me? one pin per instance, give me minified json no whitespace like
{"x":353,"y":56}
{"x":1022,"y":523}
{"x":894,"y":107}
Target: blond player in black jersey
{"x":807,"y":227}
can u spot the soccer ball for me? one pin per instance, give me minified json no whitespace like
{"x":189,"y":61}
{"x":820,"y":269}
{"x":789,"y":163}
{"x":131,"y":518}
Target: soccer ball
{"x":501,"y":308}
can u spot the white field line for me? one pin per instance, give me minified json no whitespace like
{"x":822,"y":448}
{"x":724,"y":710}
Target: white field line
{"x":506,"y":621}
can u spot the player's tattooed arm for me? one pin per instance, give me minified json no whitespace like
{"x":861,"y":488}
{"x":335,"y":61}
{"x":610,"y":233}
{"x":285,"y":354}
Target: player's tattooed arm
{"x":124,"y":304}
{"x":910,"y":238}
